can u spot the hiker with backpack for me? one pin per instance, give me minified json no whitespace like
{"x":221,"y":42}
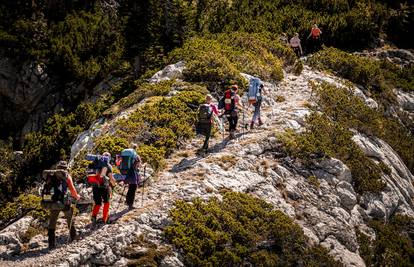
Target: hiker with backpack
{"x":56,"y":197}
{"x":102,"y":181}
{"x":206,"y":114}
{"x":129,"y":165}
{"x":255,"y":97}
{"x":295,"y":45}
{"x":230,"y":103}
{"x":315,"y":33}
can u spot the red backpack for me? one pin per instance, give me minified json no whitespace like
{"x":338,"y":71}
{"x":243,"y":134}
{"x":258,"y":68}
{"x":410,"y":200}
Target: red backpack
{"x":229,"y":102}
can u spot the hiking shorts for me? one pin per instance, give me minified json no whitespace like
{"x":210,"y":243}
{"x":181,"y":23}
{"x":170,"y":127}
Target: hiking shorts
{"x":100,"y":194}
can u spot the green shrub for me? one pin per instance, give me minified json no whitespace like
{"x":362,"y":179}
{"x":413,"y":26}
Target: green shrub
{"x":161,"y":124}
{"x":329,"y":138}
{"x":25,"y":203}
{"x":215,"y":58}
{"x":111,"y":144}
{"x":392,"y":245}
{"x":329,"y":135}
{"x":152,"y":155}
{"x":239,"y":230}
{"x":344,"y":107}
{"x":357,"y":69}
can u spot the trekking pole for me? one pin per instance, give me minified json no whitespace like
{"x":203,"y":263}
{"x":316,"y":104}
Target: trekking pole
{"x":120,"y":199}
{"x":143,"y":186}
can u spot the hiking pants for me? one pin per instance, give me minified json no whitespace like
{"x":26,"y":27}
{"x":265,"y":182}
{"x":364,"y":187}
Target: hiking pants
{"x":54,"y":215}
{"x":297,"y":51}
{"x":100,"y":194}
{"x":232,"y":118}
{"x":256,"y":114}
{"x":207,"y":133}
{"x":130,"y":196}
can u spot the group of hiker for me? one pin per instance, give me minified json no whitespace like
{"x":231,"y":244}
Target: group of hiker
{"x":229,"y":107}
{"x":295,"y":42}
{"x":60,"y":195}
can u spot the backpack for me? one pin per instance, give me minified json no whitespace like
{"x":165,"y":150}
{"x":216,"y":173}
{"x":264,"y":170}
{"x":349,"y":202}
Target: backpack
{"x":204,"y":114}
{"x":94,"y":169}
{"x":315,"y":33}
{"x":229,"y":102}
{"x":127,"y":160}
{"x":54,"y":192}
{"x":254,"y":93}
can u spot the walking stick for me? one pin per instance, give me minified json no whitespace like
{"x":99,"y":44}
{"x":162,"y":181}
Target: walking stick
{"x":143,"y":186}
{"x":120,"y":199}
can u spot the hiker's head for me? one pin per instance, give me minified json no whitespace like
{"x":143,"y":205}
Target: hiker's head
{"x":107,"y":156}
{"x":296,"y":34}
{"x":62,"y":165}
{"x":134,"y":146}
{"x":315,"y":26}
{"x":234,"y":88}
{"x":209,"y":98}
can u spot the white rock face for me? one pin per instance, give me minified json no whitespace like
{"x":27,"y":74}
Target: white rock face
{"x":328,"y":212}
{"x":171,"y":72}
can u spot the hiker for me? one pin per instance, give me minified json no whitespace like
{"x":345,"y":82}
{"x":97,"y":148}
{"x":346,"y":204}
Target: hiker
{"x":295,"y":45}
{"x":102,"y":187}
{"x":129,"y":166}
{"x":284,"y":39}
{"x":55,"y":197}
{"x":315,"y":33}
{"x":230,"y":102}
{"x":255,"y":97}
{"x":206,"y":113}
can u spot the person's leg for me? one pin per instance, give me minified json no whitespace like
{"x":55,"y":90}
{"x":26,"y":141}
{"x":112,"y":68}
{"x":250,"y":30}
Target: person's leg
{"x":130,"y":196}
{"x":207,"y":138}
{"x":255,"y":115}
{"x":105,"y":197}
{"x":54,"y":214}
{"x":70,"y":219}
{"x":258,"y":108}
{"x":97,"y":197}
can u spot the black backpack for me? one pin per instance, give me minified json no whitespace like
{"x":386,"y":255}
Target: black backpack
{"x":204,"y":114}
{"x":54,"y":192}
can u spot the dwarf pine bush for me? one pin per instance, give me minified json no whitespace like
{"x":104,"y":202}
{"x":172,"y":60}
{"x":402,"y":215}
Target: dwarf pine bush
{"x":392,"y":245}
{"x":240,"y":230}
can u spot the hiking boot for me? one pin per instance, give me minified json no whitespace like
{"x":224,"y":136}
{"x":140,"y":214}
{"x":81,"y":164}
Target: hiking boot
{"x":260,"y":122}
{"x":232,"y":135}
{"x":251,"y":125}
{"x":93,"y":220}
{"x":51,"y":238}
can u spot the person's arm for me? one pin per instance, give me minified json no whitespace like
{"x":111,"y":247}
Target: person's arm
{"x":237,"y":100}
{"x":112,"y":180}
{"x":300,"y":48}
{"x":72,"y":188}
{"x":137,"y":162}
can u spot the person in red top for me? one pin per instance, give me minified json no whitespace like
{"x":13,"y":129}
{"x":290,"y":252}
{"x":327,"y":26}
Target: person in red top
{"x":316,"y":38}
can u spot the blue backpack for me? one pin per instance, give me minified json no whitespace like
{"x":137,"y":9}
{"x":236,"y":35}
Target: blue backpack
{"x":254,"y":93}
{"x":128,"y":159}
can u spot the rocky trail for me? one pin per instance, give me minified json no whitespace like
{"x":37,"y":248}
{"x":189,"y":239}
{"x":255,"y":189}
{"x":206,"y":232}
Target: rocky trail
{"x":328,"y":212}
